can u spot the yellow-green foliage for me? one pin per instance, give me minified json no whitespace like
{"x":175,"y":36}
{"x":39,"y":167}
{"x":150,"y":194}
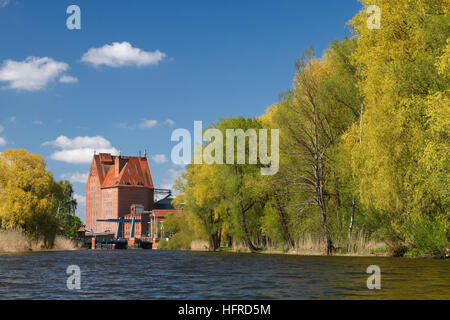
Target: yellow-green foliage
{"x":402,"y":163}
{"x":373,"y":114}
{"x":27,"y":195}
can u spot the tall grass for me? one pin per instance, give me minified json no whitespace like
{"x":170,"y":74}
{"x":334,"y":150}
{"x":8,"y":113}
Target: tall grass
{"x":313,"y":245}
{"x":199,"y":245}
{"x":15,"y":240}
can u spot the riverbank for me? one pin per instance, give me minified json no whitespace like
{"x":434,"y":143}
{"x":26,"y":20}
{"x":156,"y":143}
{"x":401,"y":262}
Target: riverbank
{"x":269,"y":251}
{"x":368,"y":249}
{"x":265,"y":251}
{"x":15,"y":241}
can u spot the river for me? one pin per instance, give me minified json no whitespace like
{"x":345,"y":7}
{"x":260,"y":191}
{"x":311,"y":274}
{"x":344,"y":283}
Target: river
{"x":159,"y":274}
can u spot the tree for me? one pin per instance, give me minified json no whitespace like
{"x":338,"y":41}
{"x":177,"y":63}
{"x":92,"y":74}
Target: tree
{"x":400,"y":162}
{"x":67,"y":204}
{"x":66,"y":207}
{"x":27,"y":198}
{"x":200,"y":201}
{"x":245,"y":191}
{"x":309,"y":136}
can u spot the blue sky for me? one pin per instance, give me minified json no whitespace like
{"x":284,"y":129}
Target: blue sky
{"x":137,"y":70}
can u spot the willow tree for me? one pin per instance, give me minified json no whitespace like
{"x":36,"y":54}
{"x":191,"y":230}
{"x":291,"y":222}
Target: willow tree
{"x":402,"y":162}
{"x":28,"y":197}
{"x":244,"y":188}
{"x":307,"y":138}
{"x":200,"y":199}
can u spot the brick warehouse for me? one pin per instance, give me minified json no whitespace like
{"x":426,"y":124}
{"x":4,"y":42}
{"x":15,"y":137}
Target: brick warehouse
{"x":115,"y":183}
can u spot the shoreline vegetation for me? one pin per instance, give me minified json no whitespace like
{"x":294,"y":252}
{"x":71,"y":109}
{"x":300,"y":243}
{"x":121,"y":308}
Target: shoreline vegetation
{"x":363,"y":150}
{"x":16,"y":241}
{"x":308,"y":247}
{"x":362,"y":137}
{"x":37,"y":213}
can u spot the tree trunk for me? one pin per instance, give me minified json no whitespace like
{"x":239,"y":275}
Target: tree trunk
{"x":352,"y":217}
{"x":248,"y":242}
{"x":214,"y":241}
{"x":230,"y":241}
{"x":319,"y":177}
{"x":350,"y":227}
{"x":287,"y":235}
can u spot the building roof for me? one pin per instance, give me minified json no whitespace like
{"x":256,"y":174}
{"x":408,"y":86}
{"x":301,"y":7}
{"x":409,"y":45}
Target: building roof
{"x":122,"y":171}
{"x":164,"y":204}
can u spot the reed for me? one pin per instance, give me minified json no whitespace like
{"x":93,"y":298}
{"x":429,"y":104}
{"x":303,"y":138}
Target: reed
{"x":15,"y":240}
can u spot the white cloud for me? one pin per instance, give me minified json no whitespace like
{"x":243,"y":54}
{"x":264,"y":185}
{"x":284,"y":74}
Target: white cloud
{"x":121,"y":54}
{"x":38,"y":122}
{"x":12,"y":119}
{"x":32,"y":74}
{"x":2,"y":141}
{"x":124,"y":125}
{"x":79,"y":149}
{"x":76,"y":177}
{"x":159,"y":158}
{"x":170,"y":122}
{"x":81,"y":200}
{"x":4,"y":3}
{"x":64,"y":142}
{"x":147,"y":124}
{"x":68,"y":79}
{"x":171,"y":176}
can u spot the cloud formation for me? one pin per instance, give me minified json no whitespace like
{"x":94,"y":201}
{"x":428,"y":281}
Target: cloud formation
{"x":76,"y":177}
{"x":4,"y":3}
{"x":68,"y":79}
{"x":159,"y":158}
{"x":2,"y":140}
{"x":147,"y":124}
{"x":81,"y":200}
{"x":171,"y":176}
{"x":170,"y":122}
{"x":32,"y":74}
{"x":79,"y":149}
{"x":121,"y":54}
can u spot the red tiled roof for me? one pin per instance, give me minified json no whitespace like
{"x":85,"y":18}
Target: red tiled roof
{"x":131,"y":171}
{"x":162,"y":213}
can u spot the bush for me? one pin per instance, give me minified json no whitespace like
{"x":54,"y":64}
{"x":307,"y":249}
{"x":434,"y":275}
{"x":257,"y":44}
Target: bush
{"x":429,"y":236}
{"x":162,"y":244}
{"x":180,"y":240}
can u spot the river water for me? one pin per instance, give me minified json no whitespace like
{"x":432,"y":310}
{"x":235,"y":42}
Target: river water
{"x":159,"y":274}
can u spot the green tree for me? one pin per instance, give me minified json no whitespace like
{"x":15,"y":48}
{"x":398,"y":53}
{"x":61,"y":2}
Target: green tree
{"x":402,"y":162}
{"x":66,"y":207}
{"x":27,"y":195}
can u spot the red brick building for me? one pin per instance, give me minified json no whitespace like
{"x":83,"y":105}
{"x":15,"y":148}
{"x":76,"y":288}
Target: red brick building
{"x":161,"y":209}
{"x":141,"y":225}
{"x":114,"y":184}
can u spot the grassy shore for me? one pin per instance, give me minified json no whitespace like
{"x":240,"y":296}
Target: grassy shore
{"x":308,"y":246}
{"x":15,"y":241}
